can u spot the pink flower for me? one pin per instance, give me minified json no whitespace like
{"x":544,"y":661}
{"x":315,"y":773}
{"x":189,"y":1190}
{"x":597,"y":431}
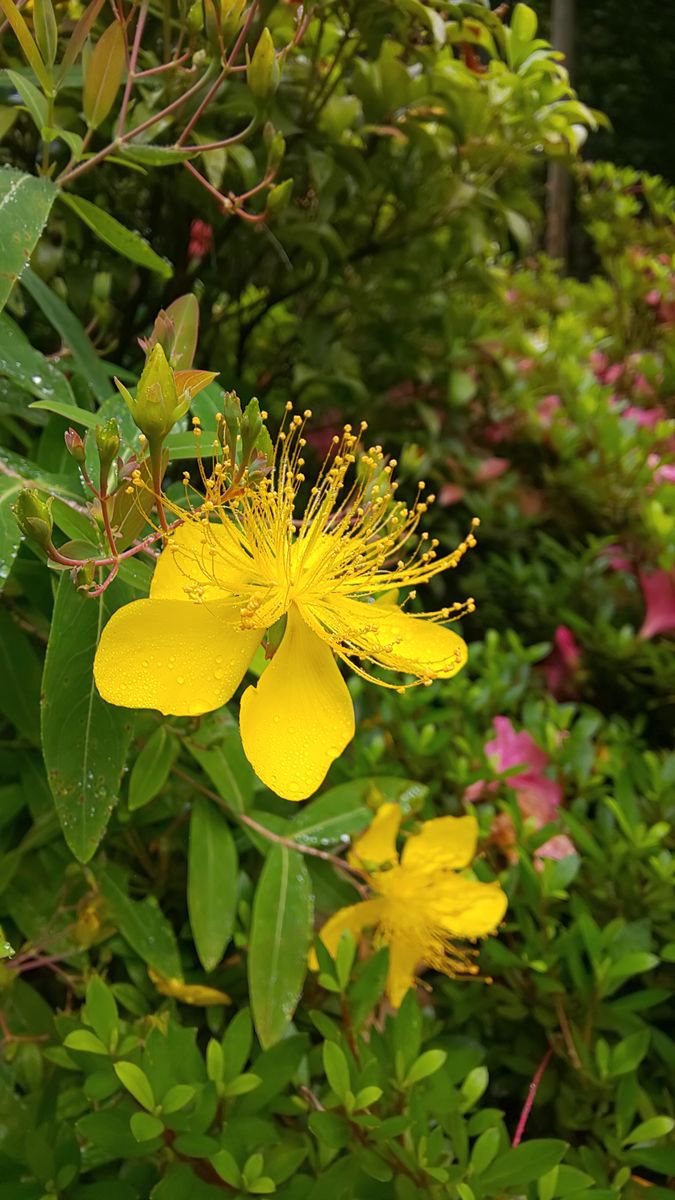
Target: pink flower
{"x":665,"y":473}
{"x":658,"y":591}
{"x":562,"y":664}
{"x":646,"y":418}
{"x":546,"y":409}
{"x":560,"y":846}
{"x":617,"y":558}
{"x":538,"y":796}
{"x":599,"y":363}
{"x":653,"y":298}
{"x":613,"y":374}
{"x":450,"y":493}
{"x":201,"y":240}
{"x":491,"y":468}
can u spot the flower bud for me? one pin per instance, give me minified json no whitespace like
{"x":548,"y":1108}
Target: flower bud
{"x":263,"y":70}
{"x":107,"y":444}
{"x":34,"y":517}
{"x":231,"y":12}
{"x":74,"y":445}
{"x":156,"y":406}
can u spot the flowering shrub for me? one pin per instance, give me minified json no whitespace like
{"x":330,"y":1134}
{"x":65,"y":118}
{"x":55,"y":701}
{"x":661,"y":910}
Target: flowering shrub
{"x":404,"y":930}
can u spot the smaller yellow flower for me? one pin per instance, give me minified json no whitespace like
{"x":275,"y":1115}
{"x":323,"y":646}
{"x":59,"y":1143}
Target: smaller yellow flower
{"x":188,"y":993}
{"x":421,"y":902}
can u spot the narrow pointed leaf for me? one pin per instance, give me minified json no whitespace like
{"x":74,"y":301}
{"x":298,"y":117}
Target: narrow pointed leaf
{"x":281,"y":929}
{"x":103,"y":75}
{"x":212,"y":882}
{"x":72,"y":333}
{"x":25,"y":203}
{"x":85,"y":767}
{"x":125,"y":241}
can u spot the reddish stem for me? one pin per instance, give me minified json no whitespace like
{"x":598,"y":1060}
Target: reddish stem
{"x":133,"y":59}
{"x":531,"y":1093}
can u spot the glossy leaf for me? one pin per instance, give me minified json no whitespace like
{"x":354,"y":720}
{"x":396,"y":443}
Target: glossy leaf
{"x":73,"y":334}
{"x":124,"y":241}
{"x":25,"y":204}
{"x":212,"y":882}
{"x":25,"y":40}
{"x":33,"y":99}
{"x":84,"y":768}
{"x":103,"y":75}
{"x":29,"y":369}
{"x":144,"y":926}
{"x":522,"y":1164}
{"x":151,"y":769}
{"x":281,"y":929}
{"x":20,"y":672}
{"x":218,"y":750}
{"x":10,"y":536}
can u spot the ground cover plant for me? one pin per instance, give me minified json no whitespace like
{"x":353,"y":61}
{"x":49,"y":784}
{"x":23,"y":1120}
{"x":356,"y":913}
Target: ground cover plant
{"x":338,"y":593}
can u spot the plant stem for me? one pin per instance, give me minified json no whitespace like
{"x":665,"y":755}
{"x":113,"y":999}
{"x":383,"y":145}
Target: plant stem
{"x":356,"y":876}
{"x":531,"y":1093}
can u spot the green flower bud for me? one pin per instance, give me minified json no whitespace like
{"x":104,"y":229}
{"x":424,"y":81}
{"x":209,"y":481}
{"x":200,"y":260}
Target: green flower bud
{"x":34,"y":517}
{"x":263,"y":70}
{"x":156,"y":406}
{"x":231,"y":12}
{"x":107,"y":444}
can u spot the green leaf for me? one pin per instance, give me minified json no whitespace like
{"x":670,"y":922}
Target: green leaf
{"x":26,"y":41}
{"x":281,"y":929}
{"x":337,"y":1069}
{"x":151,"y":769}
{"x":212,"y":882}
{"x":72,"y":333}
{"x":136,"y":1082}
{"x":35,"y":102}
{"x":177,"y":1097}
{"x":102,"y":1011}
{"x":85,"y":768}
{"x":427,"y":1064}
{"x":522,"y":1164}
{"x":344,"y":810}
{"x":143,"y":1125}
{"x":82,"y":1039}
{"x":649,"y":1131}
{"x":21,"y":674}
{"x":103,"y":75}
{"x":218,"y":750}
{"x":125,"y":241}
{"x":225,"y":1165}
{"x":78,"y":416}
{"x":27,"y":368}
{"x":25,"y":203}
{"x":146,"y":929}
{"x":156,"y":156}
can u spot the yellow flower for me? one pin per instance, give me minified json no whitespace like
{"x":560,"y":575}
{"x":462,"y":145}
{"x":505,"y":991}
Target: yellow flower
{"x":421,"y":902}
{"x":188,"y":993}
{"x":235,"y":567}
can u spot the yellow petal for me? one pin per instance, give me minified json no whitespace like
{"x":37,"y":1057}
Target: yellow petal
{"x":404,"y":956}
{"x":211,"y":560}
{"x":179,"y":657}
{"x":188,"y":993}
{"x":393,"y":639}
{"x":445,"y":842}
{"x":466,"y":908}
{"x":377,"y":845}
{"x":355,"y":918}
{"x":299,"y":717}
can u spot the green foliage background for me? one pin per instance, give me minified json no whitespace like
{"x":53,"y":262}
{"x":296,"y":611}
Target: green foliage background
{"x":397,"y":278}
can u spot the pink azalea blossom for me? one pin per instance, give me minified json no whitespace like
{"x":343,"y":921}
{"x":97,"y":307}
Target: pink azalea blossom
{"x":450,"y":493}
{"x":562,"y":664}
{"x":658,"y":592}
{"x":538,"y":796}
{"x":547,"y":408}
{"x":491,"y":468}
{"x":646,"y":418}
{"x":665,"y":473}
{"x":560,"y":846}
{"x":617,"y":558}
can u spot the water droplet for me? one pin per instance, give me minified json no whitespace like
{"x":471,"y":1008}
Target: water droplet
{"x":180,"y":679}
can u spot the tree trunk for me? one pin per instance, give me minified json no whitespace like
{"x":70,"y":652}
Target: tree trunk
{"x":559,"y":191}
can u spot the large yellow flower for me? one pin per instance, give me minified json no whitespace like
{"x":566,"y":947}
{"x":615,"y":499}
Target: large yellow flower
{"x":234,"y":568}
{"x":421,"y":902}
